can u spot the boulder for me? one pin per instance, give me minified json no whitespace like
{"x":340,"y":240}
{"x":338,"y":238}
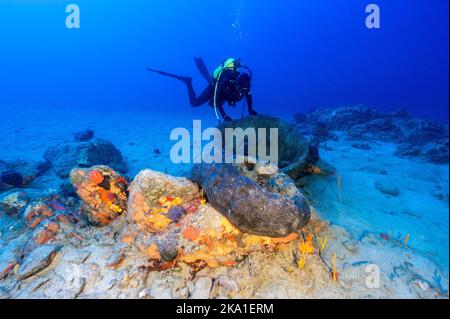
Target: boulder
{"x":201,"y":238}
{"x":419,"y":131}
{"x":11,"y":254}
{"x":37,"y":260}
{"x":437,"y":153}
{"x":255,"y":208}
{"x":207,"y":238}
{"x":361,"y":146}
{"x":103,"y":191}
{"x":13,"y":202}
{"x":66,"y":156}
{"x":170,"y":222}
{"x":387,"y":188}
{"x":341,"y":118}
{"x":150,"y":191}
{"x":20,"y":173}
{"x":417,"y":137}
{"x":12,"y":178}
{"x":8,"y":261}
{"x":294,"y":152}
{"x":401,"y":113}
{"x":84,"y":136}
{"x":407,"y":150}
{"x":383,"y":129}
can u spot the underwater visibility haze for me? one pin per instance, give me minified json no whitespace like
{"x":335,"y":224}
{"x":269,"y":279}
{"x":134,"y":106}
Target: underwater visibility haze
{"x":87,"y":173}
{"x":305,"y":54}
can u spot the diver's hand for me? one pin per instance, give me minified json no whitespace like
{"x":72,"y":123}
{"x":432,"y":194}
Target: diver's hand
{"x":253,"y":113}
{"x":227,"y":118}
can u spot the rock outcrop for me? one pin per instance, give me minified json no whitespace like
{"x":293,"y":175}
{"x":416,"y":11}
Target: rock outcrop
{"x":66,"y":156}
{"x":156,"y":205}
{"x":20,"y":173}
{"x":103,"y":191}
{"x":295,"y":154}
{"x":387,"y":188}
{"x":170,"y":222}
{"x":424,"y":138}
{"x":152,"y":190}
{"x":13,"y":202}
{"x":84,"y":136}
{"x":267,"y":205}
{"x":37,"y":260}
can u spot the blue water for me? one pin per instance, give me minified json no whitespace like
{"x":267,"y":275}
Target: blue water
{"x":304,"y":54}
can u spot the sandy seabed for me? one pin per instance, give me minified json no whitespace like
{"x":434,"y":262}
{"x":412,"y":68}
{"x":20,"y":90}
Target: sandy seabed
{"x":405,"y":236}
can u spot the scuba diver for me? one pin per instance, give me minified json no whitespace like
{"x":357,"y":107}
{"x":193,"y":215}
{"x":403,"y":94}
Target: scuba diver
{"x":230,"y":83}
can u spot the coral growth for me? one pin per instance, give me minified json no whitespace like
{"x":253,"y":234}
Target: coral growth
{"x":103,"y":191}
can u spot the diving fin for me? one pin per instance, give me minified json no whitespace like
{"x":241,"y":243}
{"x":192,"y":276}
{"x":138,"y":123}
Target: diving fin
{"x":201,"y":66}
{"x":178,"y":77}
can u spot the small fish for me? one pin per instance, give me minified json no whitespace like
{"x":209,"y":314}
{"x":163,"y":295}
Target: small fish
{"x":57,"y":206}
{"x":385,"y":236}
{"x":406,"y":240}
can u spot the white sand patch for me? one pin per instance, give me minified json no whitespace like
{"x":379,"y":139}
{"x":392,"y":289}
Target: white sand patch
{"x":418,"y":216}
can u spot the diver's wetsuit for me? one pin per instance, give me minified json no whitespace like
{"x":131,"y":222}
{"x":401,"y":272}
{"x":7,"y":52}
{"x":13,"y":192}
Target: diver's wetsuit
{"x":226,"y":92}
